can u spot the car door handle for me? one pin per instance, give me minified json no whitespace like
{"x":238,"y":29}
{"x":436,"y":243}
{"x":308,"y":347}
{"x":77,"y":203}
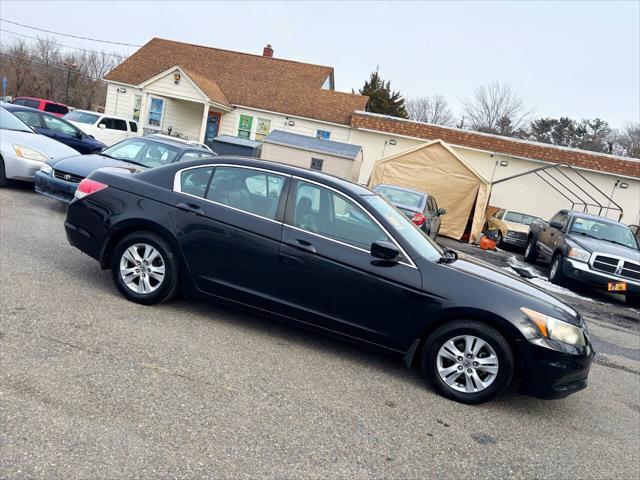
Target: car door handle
{"x":190,"y":207}
{"x":304,"y":246}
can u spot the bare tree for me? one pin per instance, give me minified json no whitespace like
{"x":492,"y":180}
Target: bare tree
{"x":433,"y":109}
{"x":627,"y":141}
{"x":495,"y":108}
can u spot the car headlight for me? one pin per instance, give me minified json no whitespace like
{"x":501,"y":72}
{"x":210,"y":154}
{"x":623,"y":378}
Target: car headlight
{"x":510,"y":233}
{"x":46,"y":168}
{"x":555,"y":329}
{"x":29,"y":153}
{"x":579,"y":254}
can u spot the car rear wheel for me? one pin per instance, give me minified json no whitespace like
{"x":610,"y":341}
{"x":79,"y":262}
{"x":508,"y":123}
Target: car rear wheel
{"x":3,"y":178}
{"x":556,"y":274}
{"x":530,"y":254}
{"x":468,"y":361}
{"x":144,"y":268}
{"x":633,"y":300}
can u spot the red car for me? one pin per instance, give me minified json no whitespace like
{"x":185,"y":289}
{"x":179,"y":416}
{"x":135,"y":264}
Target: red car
{"x":54,"y":108}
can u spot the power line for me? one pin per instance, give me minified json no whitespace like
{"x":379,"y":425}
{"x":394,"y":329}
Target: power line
{"x":68,"y":34}
{"x":60,"y":44}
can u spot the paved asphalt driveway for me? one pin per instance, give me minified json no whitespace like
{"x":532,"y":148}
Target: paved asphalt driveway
{"x":92,"y":386}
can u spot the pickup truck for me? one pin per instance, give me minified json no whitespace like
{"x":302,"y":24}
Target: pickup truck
{"x":589,"y":249}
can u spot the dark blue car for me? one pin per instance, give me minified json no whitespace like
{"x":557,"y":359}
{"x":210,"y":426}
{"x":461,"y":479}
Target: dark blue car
{"x":59,"y":179}
{"x":56,"y":128}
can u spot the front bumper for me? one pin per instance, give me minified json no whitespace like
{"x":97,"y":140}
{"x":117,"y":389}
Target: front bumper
{"x":581,"y":272}
{"x":18,"y":168}
{"x":552,"y":370}
{"x":54,"y":187}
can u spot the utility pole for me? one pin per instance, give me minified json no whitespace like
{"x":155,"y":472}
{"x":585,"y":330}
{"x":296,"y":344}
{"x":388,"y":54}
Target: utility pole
{"x":70,"y":66}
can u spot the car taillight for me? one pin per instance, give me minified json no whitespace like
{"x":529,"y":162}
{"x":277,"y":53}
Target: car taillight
{"x":87,"y":187}
{"x":418,"y":219}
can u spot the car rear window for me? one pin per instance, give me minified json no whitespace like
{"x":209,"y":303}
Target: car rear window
{"x":27,"y":102}
{"x":516,"y":217}
{"x":82,"y":117}
{"x":56,"y":108}
{"x":400,"y":197}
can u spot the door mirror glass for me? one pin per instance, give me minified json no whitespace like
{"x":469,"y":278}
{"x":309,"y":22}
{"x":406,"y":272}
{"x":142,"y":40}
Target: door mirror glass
{"x":385,"y":251}
{"x":556,"y":225}
{"x":441,"y":211}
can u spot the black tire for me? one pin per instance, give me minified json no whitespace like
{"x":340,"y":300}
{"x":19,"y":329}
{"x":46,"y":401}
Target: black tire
{"x":530,"y":254}
{"x":556,"y":274}
{"x":3,"y":179}
{"x":633,"y":300}
{"x":490,"y":335}
{"x":500,"y":242}
{"x":167,"y":286}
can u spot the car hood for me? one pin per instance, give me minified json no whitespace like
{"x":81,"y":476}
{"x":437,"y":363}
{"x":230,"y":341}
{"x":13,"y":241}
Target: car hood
{"x":602,"y":246}
{"x":83,"y":165}
{"x":49,"y":147}
{"x":488,"y":272}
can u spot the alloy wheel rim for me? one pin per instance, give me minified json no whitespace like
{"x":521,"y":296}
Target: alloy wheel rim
{"x":554,"y":268}
{"x":528,"y":250}
{"x":142,"y":268}
{"x":467,"y":364}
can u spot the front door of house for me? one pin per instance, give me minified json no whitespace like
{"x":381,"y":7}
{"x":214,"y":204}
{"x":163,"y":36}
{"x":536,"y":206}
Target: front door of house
{"x":213,"y":125}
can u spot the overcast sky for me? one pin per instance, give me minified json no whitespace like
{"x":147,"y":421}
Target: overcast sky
{"x":579,"y":59}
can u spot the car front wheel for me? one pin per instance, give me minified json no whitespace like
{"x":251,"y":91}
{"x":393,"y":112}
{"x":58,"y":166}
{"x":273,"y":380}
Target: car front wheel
{"x":530,"y":254}
{"x":468,"y":361}
{"x":144,"y":268}
{"x":556,"y":274}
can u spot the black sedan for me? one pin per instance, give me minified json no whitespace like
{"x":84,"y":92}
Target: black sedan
{"x":331,"y":256}
{"x":57,"y":128}
{"x":59,"y":178}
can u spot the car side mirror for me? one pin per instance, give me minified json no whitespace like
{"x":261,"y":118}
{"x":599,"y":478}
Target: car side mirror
{"x":102,"y":125}
{"x":556,"y":225}
{"x":385,"y":251}
{"x":78,"y":135}
{"x":441,"y":211}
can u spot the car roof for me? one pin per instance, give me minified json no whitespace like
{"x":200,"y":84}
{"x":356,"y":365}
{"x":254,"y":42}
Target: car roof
{"x":21,"y":108}
{"x":40,"y":100}
{"x":405,"y":189}
{"x":169,"y":141}
{"x":158,"y":175}
{"x":589,"y":216}
{"x":104,"y":115}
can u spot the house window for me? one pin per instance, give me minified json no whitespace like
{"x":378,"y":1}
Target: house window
{"x":244,"y":127}
{"x":323,"y":134}
{"x":137,"y":103}
{"x":262,"y":128}
{"x":156,"y":108}
{"x":316,"y":164}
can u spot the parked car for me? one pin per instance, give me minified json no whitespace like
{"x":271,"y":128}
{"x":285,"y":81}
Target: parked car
{"x":635,"y":229}
{"x":334,"y":257}
{"x":589,"y":249}
{"x":109,"y":129}
{"x":59,"y":180}
{"x":512,"y":227}
{"x":23,"y":151}
{"x":193,"y":143}
{"x":57,"y":128}
{"x":420,"y":207}
{"x":54,"y":108}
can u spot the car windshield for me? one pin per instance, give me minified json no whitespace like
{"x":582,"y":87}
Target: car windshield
{"x":141,"y":151}
{"x":8,"y":121}
{"x":603,"y":230}
{"x":522,"y":218}
{"x":409,"y":232}
{"x":82,"y":117}
{"x":398,"y":196}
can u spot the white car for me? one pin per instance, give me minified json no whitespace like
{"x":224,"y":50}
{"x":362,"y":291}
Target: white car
{"x":23,"y":151}
{"x":193,"y":143}
{"x":109,"y":129}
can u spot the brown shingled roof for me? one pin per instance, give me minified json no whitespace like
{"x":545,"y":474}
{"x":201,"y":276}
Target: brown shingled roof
{"x":499,"y":144}
{"x":265,"y":83}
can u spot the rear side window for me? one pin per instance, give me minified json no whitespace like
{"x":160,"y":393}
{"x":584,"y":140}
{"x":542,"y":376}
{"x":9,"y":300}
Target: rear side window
{"x":195,"y":181}
{"x":27,"y":102}
{"x":30,"y":118}
{"x":133,"y":126}
{"x":55,"y":108}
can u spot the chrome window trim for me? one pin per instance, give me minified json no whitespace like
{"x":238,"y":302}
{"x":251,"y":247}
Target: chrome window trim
{"x":178,"y":188}
{"x":391,"y":237}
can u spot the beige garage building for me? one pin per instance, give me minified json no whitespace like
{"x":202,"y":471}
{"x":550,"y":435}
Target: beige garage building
{"x":335,"y":158}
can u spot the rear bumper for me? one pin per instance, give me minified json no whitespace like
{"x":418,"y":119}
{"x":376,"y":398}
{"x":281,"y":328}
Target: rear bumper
{"x":54,"y":187}
{"x":549,"y":373}
{"x":581,"y":272}
{"x":515,"y":241}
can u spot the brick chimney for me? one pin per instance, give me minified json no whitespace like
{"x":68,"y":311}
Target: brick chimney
{"x":267,"y":51}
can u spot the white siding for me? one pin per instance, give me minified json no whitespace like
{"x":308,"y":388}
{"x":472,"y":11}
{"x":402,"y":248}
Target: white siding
{"x":166,"y":87}
{"x":338,"y":166}
{"x":120,"y":104}
{"x":184,"y":117}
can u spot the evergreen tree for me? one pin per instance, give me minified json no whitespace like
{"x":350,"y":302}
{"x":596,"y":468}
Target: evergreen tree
{"x":381,"y":98}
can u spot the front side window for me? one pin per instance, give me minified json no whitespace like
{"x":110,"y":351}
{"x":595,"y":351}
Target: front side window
{"x":316,"y":164}
{"x":30,"y":118}
{"x":248,"y":190}
{"x":195,"y":181}
{"x":82,"y":117}
{"x":244,"y":127}
{"x":321,"y":211}
{"x":57,"y":125}
{"x":156,"y":108}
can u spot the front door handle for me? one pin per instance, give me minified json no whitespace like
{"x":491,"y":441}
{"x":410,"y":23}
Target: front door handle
{"x":304,"y":246}
{"x":190,"y":207}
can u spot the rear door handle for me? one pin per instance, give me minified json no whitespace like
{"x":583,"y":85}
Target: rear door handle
{"x":304,"y":246}
{"x":190,"y":207}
